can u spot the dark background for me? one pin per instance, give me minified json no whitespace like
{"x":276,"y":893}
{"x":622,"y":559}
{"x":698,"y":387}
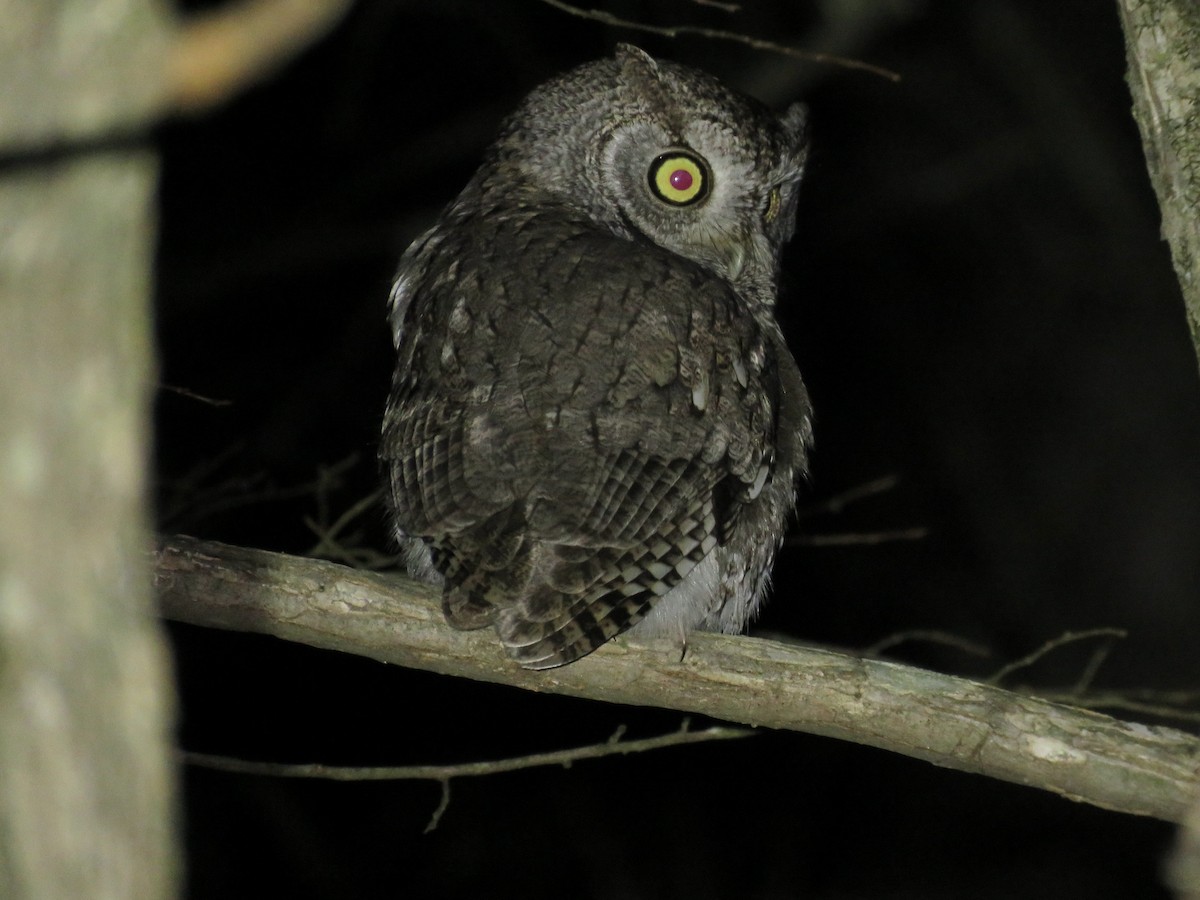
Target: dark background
{"x":980,"y":302}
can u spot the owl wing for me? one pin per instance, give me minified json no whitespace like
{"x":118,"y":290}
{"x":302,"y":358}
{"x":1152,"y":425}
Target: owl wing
{"x":575,"y":424}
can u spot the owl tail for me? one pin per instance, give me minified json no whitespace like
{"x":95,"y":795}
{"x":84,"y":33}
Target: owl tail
{"x":552,"y":603}
{"x":588,"y":596}
{"x":483,"y":568}
{"x":577,"y":606}
{"x":578,"y":601}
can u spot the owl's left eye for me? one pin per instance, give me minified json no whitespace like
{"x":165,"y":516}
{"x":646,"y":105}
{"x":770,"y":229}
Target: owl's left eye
{"x":679,"y":178}
{"x":772,"y":208}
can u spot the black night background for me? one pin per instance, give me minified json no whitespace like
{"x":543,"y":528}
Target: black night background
{"x":983,"y":309}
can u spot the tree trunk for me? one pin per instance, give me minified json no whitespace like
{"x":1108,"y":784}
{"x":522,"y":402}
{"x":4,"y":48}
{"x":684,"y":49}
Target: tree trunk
{"x":86,"y":794}
{"x":1162,"y":40}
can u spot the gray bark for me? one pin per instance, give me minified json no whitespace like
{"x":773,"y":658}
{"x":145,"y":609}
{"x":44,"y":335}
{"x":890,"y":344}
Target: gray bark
{"x":1162,"y":39}
{"x":86,"y":794}
{"x":1162,"y":42}
{"x":948,"y":721}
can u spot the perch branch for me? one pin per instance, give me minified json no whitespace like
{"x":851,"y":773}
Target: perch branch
{"x":951,"y":722}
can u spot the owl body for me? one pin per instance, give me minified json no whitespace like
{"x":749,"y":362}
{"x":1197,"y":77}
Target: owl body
{"x":594,"y":420}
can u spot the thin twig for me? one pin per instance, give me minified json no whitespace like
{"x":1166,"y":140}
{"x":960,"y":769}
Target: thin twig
{"x":440,"y":810}
{"x":186,"y":508}
{"x":716,"y":4}
{"x":930,"y":636}
{"x":1068,"y":637}
{"x":328,"y":544}
{"x":612,"y":747}
{"x":855,"y":538}
{"x":839,"y":502}
{"x":192,"y":395}
{"x":719,"y":34}
{"x":1088,"y":675}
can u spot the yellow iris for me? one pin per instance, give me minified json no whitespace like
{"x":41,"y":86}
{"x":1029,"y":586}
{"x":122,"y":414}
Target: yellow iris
{"x":772,"y":206}
{"x":679,"y":178}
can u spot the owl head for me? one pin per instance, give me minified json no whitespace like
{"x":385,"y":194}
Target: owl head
{"x":656,"y":151}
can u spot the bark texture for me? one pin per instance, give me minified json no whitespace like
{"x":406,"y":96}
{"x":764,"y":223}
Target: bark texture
{"x":1162,"y":39}
{"x":86,"y":795}
{"x":948,"y":721}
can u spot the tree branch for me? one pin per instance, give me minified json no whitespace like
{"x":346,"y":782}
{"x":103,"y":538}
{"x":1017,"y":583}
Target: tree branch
{"x":952,"y":722}
{"x":1162,"y":42}
{"x":219,"y":53}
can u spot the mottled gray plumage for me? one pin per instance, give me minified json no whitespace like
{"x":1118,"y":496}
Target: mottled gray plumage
{"x":594,"y":420}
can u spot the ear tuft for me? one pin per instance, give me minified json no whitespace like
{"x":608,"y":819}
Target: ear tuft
{"x":795,"y":120}
{"x":636,"y":61}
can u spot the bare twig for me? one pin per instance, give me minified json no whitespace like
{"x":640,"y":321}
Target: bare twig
{"x":720,"y":34}
{"x":191,"y":502}
{"x":614,"y":746}
{"x":956,"y":723}
{"x":329,"y":545}
{"x":1098,"y":658}
{"x":443,"y":805}
{"x":839,"y":502}
{"x":192,"y":395}
{"x":1062,"y":640}
{"x":928,"y":636}
{"x":857,"y":538}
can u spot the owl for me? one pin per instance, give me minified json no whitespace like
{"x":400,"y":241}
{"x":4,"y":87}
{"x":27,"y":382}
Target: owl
{"x":594,"y":422}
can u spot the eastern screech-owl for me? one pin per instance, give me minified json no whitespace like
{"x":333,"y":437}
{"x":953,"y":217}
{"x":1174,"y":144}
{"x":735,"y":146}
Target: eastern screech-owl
{"x":594,"y":420}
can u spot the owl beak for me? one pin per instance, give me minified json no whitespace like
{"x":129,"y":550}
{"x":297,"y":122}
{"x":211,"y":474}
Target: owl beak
{"x":739,"y":251}
{"x":734,"y":253}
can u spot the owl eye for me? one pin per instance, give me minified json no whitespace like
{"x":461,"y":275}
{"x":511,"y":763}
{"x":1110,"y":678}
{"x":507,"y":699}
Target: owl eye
{"x":679,"y":178}
{"x":772,"y":209}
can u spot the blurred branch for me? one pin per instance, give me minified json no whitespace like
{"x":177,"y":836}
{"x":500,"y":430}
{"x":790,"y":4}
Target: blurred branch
{"x":1183,"y":867}
{"x":221,"y":52}
{"x":724,"y":7}
{"x":929,"y":636}
{"x":87,"y":794}
{"x":857,"y":538}
{"x":1162,"y":42}
{"x":186,"y":67}
{"x":837,"y":504}
{"x":952,"y":722}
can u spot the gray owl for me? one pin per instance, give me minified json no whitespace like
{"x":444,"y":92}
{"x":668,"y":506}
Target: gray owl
{"x":594,"y":421}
